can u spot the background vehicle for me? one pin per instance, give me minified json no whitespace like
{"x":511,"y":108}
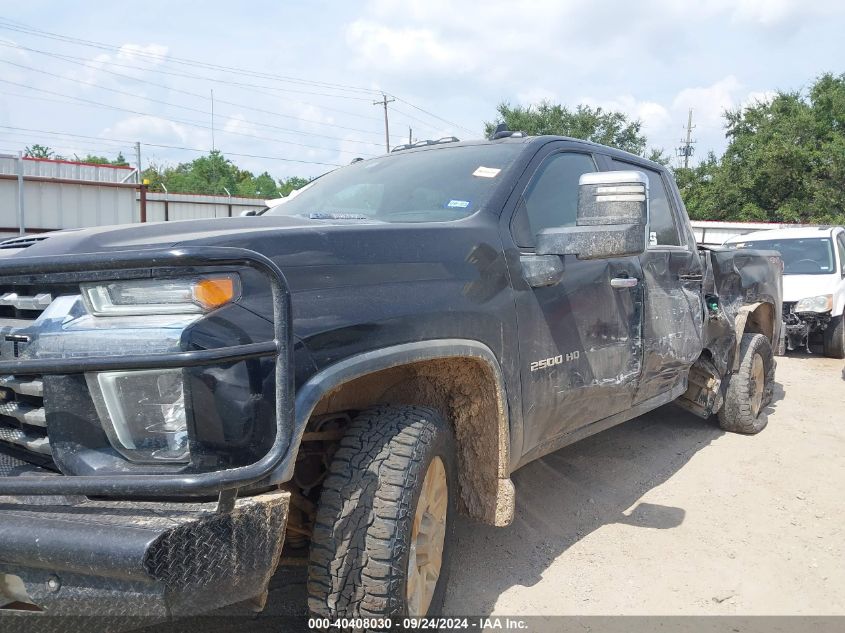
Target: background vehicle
{"x":813,"y":283}
{"x":348,"y":370}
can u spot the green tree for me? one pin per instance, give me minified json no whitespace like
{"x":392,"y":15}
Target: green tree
{"x":262,"y":186}
{"x":591,"y":124}
{"x":215,"y":174}
{"x":290,"y":184}
{"x":212,"y":174}
{"x":120,"y":161}
{"x":785,"y":160}
{"x":658,"y":155}
{"x":701,"y":187}
{"x":38,"y":151}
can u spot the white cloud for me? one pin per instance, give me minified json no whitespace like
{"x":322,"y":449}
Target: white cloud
{"x":536,"y":95}
{"x":757,"y":97}
{"x":709,"y":102}
{"x":763,"y":14}
{"x":397,"y":48}
{"x":237,"y":124}
{"x":132,"y":60}
{"x":654,"y":116}
{"x":157,"y":130}
{"x":155,"y":54}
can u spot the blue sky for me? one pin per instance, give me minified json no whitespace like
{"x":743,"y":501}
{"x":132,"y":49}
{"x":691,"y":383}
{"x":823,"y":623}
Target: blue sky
{"x":450,"y":63}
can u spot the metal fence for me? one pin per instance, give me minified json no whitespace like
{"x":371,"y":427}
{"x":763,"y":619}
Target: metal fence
{"x":189,"y":206}
{"x":715,"y":233}
{"x":38,"y":195}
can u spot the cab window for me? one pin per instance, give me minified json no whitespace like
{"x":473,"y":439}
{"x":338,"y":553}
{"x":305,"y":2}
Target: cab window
{"x":551,"y":198}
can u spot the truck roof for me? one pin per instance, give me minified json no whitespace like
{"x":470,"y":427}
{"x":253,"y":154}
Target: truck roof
{"x":792,"y":233}
{"x":528,"y":140}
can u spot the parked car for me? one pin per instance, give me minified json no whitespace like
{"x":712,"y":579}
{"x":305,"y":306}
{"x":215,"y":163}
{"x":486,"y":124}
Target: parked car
{"x":345,"y":372}
{"x":813,"y":283}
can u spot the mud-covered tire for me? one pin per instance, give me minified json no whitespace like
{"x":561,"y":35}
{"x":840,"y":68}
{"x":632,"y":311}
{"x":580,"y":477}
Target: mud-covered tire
{"x":744,"y":408}
{"x":834,"y":337}
{"x":362,"y":537}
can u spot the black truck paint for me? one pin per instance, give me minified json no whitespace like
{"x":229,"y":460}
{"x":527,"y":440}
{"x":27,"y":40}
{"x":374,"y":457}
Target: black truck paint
{"x":569,"y":355}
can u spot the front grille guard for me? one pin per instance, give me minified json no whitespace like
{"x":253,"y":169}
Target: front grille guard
{"x":106,"y":266}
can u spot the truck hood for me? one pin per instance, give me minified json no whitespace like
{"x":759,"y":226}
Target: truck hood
{"x":797,"y":287}
{"x":155,"y":235}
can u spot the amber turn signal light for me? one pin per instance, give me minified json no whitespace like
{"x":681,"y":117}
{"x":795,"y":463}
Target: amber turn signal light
{"x":213,"y":292}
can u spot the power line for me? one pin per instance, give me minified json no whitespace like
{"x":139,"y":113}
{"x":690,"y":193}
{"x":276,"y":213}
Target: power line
{"x":87,"y":63}
{"x":431,"y":114}
{"x":164,"y":146}
{"x":176,"y":105}
{"x":73,"y":150}
{"x":227,"y":69}
{"x":199,"y":95}
{"x":188,"y":122}
{"x":416,"y":119}
{"x":29,"y":30}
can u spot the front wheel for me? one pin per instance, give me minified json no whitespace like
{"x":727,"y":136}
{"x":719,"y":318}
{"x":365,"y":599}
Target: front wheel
{"x":834,"y":337}
{"x":383,"y":527}
{"x":749,"y":389}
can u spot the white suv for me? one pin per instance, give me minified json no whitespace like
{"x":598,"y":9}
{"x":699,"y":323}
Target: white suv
{"x":813,"y":283}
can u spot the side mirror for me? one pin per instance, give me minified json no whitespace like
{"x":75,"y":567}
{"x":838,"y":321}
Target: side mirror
{"x":611,"y":219}
{"x":247,"y":213}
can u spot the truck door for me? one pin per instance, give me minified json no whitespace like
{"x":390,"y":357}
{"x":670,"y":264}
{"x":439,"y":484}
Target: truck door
{"x":579,"y":337}
{"x":672,"y":276}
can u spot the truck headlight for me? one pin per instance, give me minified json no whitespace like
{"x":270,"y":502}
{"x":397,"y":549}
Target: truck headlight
{"x":143,"y":413}
{"x":822,"y":303}
{"x":134,"y":297}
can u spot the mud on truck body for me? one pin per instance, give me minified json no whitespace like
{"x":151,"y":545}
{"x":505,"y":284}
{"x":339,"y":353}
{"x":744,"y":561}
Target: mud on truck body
{"x":344,"y":373}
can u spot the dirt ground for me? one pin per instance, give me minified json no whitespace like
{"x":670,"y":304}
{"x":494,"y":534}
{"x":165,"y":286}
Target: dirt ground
{"x":667,"y":515}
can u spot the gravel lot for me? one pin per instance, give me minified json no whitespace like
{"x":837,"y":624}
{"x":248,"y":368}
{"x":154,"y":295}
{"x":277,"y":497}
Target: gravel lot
{"x":666,"y":515}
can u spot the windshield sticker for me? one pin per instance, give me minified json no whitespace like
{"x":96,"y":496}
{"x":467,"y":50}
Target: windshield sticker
{"x":486,"y":172}
{"x":457,"y":204}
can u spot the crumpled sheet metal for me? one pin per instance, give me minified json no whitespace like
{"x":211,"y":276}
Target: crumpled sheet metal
{"x":742,"y":280}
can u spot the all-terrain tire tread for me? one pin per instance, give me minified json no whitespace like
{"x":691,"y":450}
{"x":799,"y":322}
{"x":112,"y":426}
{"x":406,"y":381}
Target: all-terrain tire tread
{"x":736,"y":414}
{"x":366,"y":507}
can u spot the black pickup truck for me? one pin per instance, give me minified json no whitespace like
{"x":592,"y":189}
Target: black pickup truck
{"x":342,"y":374}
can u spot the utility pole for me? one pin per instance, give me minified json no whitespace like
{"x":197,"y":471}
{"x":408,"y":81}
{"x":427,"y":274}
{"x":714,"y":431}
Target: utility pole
{"x":410,"y":135}
{"x":138,"y":160}
{"x":686,"y":149}
{"x":212,"y":119}
{"x":21,"y":229}
{"x":384,"y":101}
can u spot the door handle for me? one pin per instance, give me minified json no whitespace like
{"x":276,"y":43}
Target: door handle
{"x":624,"y":282}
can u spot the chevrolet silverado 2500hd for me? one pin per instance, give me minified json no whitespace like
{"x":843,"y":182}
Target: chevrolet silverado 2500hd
{"x":343,"y":373}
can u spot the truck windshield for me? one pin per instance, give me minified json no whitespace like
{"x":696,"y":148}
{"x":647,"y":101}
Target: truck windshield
{"x":801,"y":256}
{"x":436,"y":185}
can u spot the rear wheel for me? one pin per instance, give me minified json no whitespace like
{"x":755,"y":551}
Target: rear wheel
{"x":834,"y":337}
{"x":749,"y":389}
{"x":383,"y":526}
